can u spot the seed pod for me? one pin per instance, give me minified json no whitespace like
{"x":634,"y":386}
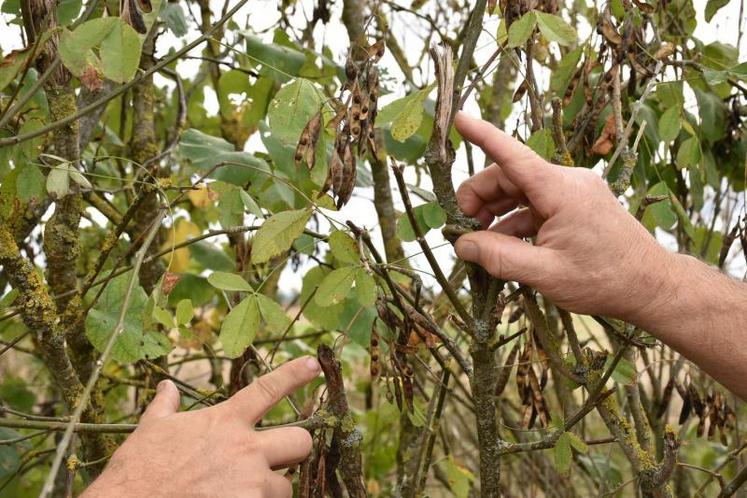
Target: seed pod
{"x":397,"y":387}
{"x":522,"y":372}
{"x":376,"y":51}
{"x":306,"y":148}
{"x":666,"y":397}
{"x":698,"y":407}
{"x":505,"y":372}
{"x":131,"y":15}
{"x":686,"y":407}
{"x":349,"y":174}
{"x":351,"y":71}
{"x":375,"y":367}
{"x":538,"y":400}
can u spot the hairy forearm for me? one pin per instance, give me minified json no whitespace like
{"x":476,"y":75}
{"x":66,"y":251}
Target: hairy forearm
{"x":702,"y":314}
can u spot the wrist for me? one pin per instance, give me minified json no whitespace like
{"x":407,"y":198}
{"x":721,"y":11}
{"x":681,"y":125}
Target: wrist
{"x":665,"y":291}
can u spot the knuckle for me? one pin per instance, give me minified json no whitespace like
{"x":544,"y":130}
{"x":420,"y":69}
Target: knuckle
{"x":495,"y":261}
{"x":267,"y":389}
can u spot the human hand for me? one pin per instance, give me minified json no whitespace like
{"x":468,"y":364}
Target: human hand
{"x":589,"y":255}
{"x":213,"y":451}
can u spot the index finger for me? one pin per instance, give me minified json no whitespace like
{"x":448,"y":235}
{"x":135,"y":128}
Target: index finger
{"x":265,"y":392}
{"x":521,"y":165}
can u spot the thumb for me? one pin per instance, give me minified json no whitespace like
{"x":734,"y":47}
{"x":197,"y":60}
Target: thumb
{"x":165,"y":403}
{"x":505,"y":257}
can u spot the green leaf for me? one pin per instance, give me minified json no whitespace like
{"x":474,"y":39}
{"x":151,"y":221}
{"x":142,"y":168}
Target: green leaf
{"x":278,"y":62}
{"x":336,"y":286}
{"x":689,"y":153}
{"x":249,"y":203}
{"x":325,"y":317}
{"x":433,"y":215}
{"x":713,"y":115}
{"x":670,"y":124}
{"x":134,"y":343}
{"x":184,"y":312}
{"x":542,"y":143}
{"x":563,"y":454}
{"x":661,"y":212}
{"x":120,"y":53}
{"x":577,"y":443}
{"x":75,"y":46}
{"x":561,"y":77}
{"x":163,"y":317}
{"x":67,"y":11}
{"x":624,"y":373}
{"x":276,"y":235}
{"x":10,"y":461}
{"x":293,"y":107}
{"x":273,"y":314}
{"x":240,"y":327}
{"x":365,"y":288}
{"x":407,"y":121}
{"x":343,"y":247}
{"x":30,"y":184}
{"x":521,"y":29}
{"x":229,"y":282}
{"x":714,"y":6}
{"x":211,"y":257}
{"x":555,"y":29}
{"x":684,"y":218}
{"x":230,"y":207}
{"x":7,"y":299}
{"x":173,"y":15}
{"x":206,"y":151}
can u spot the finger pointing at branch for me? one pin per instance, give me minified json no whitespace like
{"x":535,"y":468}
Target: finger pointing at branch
{"x":257,"y":399}
{"x":518,"y":172}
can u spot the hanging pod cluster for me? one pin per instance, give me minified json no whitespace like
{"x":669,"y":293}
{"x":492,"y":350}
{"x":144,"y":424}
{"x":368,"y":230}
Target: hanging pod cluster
{"x":352,"y":124}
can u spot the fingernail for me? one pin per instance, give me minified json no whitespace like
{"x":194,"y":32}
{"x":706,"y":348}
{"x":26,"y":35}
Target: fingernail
{"x":467,"y":250}
{"x":312,"y":364}
{"x":161,"y":386}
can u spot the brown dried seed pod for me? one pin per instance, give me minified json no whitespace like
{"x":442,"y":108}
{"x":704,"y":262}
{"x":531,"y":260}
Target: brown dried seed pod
{"x":376,"y":51}
{"x":505,"y":372}
{"x":522,"y":372}
{"x":349,"y":173}
{"x":666,"y":397}
{"x":306,"y":148}
{"x":351,"y":70}
{"x":697,"y":403}
{"x":687,"y":405}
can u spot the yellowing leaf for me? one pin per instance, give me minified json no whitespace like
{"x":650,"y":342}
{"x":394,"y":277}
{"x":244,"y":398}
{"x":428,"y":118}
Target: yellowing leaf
{"x":407,"y":121}
{"x":336,"y":286}
{"x":229,"y":282}
{"x":520,"y":30}
{"x":343,"y":247}
{"x":134,"y":342}
{"x":555,"y":29}
{"x":365,"y":288}
{"x":670,"y":124}
{"x":273,"y":314}
{"x":202,"y":196}
{"x":182,"y":231}
{"x":277,"y":234}
{"x":240,"y":327}
{"x":563,"y":454}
